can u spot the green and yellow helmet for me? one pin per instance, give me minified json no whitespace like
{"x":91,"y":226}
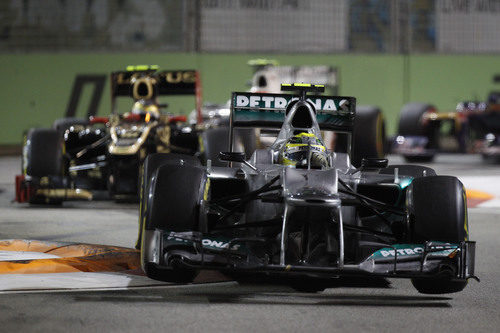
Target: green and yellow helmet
{"x":304,"y":150}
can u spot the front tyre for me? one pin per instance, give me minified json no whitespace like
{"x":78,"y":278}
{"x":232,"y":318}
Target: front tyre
{"x":173,"y":204}
{"x":438,"y":212}
{"x":175,"y":274}
{"x":43,"y":158}
{"x":151,"y":164}
{"x":438,"y":209}
{"x":438,"y":286}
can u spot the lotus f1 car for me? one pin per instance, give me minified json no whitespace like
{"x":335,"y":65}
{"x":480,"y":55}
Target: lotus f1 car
{"x":100,"y":157}
{"x":300,"y":212}
{"x":474,"y":127}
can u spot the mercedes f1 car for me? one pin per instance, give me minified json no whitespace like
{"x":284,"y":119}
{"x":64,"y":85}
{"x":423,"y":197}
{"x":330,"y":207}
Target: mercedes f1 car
{"x":302,"y":213}
{"x":100,"y":157}
{"x":474,"y":127}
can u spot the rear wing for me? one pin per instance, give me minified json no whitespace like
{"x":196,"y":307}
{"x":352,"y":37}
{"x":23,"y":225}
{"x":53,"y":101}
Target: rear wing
{"x":268,"y":77}
{"x":333,"y":113}
{"x":178,"y":82}
{"x":143,"y":82}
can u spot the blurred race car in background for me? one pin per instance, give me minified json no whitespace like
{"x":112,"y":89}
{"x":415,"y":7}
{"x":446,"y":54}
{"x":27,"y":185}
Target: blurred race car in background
{"x":100,"y":157}
{"x":301,"y":212}
{"x":268,"y":76}
{"x":474,"y":127}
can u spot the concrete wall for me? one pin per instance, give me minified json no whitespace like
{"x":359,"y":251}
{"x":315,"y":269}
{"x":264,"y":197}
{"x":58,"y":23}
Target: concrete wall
{"x":35,"y":88}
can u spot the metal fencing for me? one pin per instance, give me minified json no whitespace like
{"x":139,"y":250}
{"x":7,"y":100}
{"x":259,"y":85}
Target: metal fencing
{"x":237,"y":26}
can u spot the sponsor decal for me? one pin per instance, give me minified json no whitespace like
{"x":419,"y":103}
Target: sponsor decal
{"x":277,"y":102}
{"x":206,"y":242}
{"x":218,"y":244}
{"x":172,"y":77}
{"x":402,"y":252}
{"x":408,"y":250}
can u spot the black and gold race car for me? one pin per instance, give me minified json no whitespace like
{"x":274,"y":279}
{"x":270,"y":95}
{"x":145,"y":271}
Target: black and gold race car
{"x":100,"y":157}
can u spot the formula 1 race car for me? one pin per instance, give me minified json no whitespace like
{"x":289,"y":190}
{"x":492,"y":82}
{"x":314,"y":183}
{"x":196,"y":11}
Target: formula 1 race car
{"x":474,"y":127}
{"x":100,"y":157}
{"x":369,"y":128}
{"x":299,"y":212}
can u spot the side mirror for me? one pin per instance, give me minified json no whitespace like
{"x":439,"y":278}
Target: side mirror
{"x":232,"y":157}
{"x":235,"y":157}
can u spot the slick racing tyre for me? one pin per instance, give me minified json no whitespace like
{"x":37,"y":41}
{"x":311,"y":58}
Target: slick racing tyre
{"x":247,"y":138}
{"x":43,"y":153}
{"x":173,"y":204}
{"x":438,"y":285}
{"x":151,"y":164}
{"x":438,"y":212}
{"x":216,"y":140}
{"x":42,"y":157}
{"x":212,"y":142}
{"x":368,"y":134}
{"x":410,"y":124}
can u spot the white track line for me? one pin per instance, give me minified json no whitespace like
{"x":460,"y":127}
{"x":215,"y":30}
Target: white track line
{"x":21,"y":255}
{"x":72,"y":281}
{"x":82,"y":282}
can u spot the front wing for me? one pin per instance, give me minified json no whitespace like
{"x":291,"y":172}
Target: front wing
{"x":432,"y":259}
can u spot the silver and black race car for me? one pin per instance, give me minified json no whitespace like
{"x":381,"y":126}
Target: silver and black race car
{"x":299,"y":212}
{"x":100,"y":157}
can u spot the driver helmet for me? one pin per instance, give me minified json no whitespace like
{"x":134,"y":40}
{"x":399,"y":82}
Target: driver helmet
{"x":304,"y":150}
{"x":145,"y":106}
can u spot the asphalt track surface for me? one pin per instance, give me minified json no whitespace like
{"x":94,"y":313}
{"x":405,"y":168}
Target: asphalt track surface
{"x":228,"y":306}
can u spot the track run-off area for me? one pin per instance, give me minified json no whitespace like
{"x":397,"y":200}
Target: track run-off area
{"x":73,"y":267}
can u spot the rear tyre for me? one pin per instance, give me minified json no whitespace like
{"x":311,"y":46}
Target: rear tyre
{"x":246,"y":138}
{"x":438,"y":212}
{"x":215,"y":140}
{"x":410,"y":124}
{"x":368,"y":134}
{"x":173,"y":204}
